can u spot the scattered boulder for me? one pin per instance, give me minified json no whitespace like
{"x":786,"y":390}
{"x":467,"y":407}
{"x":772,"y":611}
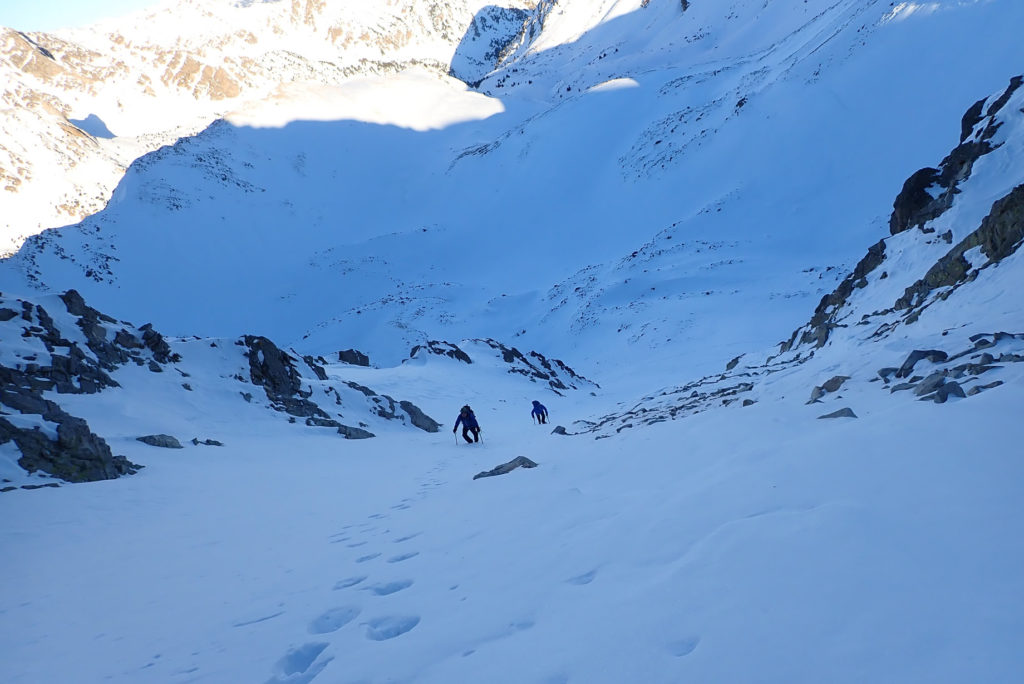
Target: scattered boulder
{"x":164,"y":441}
{"x":981,"y":388}
{"x":834,"y":383}
{"x":884,"y":373}
{"x":930,"y":384}
{"x":933,"y":355}
{"x":206,"y":442}
{"x":559,"y":430}
{"x":841,"y":413}
{"x":419,"y":418}
{"x":517,"y":462}
{"x":816,"y":394}
{"x":947,"y":390}
{"x":831,"y":385}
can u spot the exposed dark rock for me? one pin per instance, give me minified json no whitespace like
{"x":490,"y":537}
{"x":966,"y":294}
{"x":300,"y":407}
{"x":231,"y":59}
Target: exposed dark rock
{"x":1000,"y":234}
{"x":981,"y":388}
{"x":816,"y":394}
{"x":559,"y":430}
{"x":517,"y":462}
{"x":164,"y":441}
{"x":355,"y":357}
{"x":77,"y":455}
{"x":748,"y":402}
{"x":823,"y":322}
{"x":841,"y":413}
{"x":732,"y":364}
{"x":915,"y":206}
{"x":440,"y":348}
{"x":156,"y":343}
{"x":349,"y":432}
{"x":317,"y":369}
{"x":930,"y":384}
{"x":834,"y":383}
{"x":7,"y":314}
{"x":206,"y":442}
{"x":933,"y":355}
{"x":949,"y":389}
{"x":884,"y":373}
{"x":419,"y":418}
{"x":272,"y":368}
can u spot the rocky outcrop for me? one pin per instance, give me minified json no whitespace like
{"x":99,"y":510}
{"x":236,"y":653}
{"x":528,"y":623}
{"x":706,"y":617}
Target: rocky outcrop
{"x":74,"y":453}
{"x":554,"y":373}
{"x":929,"y":192}
{"x":45,"y":359}
{"x":354,"y":357}
{"x":1000,"y":234}
{"x":489,"y":38}
{"x":439,"y":348}
{"x":419,"y":418}
{"x":517,"y":462}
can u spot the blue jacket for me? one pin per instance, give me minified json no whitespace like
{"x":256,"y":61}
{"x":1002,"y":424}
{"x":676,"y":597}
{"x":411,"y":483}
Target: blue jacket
{"x":468,"y":421}
{"x":538,"y":409}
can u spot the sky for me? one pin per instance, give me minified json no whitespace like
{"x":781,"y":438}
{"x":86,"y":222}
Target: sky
{"x":50,"y":15}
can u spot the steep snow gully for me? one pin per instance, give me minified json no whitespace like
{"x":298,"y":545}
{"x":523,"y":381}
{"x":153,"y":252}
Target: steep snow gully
{"x":783,"y":368}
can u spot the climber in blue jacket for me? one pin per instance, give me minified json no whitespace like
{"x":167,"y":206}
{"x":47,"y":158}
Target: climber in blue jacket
{"x":469,"y":424}
{"x":539,"y":412}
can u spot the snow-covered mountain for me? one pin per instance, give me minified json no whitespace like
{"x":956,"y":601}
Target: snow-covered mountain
{"x":80,"y":106}
{"x":783,"y":365}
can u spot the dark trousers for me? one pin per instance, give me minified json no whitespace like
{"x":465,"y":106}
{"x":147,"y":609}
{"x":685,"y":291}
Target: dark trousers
{"x":476,"y":433}
{"x":541,"y":418}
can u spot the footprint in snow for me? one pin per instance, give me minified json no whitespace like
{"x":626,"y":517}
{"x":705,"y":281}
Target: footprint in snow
{"x":334,"y":619}
{"x":585,"y":578}
{"x":388,"y":588}
{"x":384,"y":628}
{"x":300,"y":665}
{"x":349,"y":582}
{"x":368,"y":557}
{"x":683,"y":647}
{"x":403,"y":557}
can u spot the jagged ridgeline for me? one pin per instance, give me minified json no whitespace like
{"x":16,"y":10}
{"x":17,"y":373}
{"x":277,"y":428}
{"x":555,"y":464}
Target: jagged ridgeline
{"x":954,"y":247}
{"x":58,"y":346}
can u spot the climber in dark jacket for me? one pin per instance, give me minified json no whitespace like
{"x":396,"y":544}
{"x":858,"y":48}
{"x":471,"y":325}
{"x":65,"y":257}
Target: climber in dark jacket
{"x":539,"y":412}
{"x":469,"y":424}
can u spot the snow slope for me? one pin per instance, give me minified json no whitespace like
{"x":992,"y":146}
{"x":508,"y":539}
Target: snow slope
{"x":645,"y":193}
{"x":775,"y":151}
{"x":878,"y":549}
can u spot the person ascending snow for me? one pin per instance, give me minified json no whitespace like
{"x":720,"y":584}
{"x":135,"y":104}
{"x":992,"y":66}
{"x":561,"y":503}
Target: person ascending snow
{"x":469,"y":424}
{"x":539,"y":412}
